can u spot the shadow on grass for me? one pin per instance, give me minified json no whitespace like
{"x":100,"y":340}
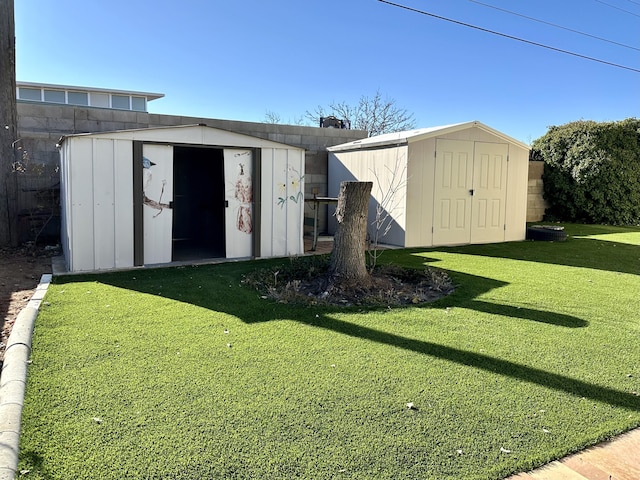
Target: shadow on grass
{"x":541,"y":316}
{"x":187,"y":284}
{"x":36,"y":464}
{"x":484,"y":362}
{"x":220,"y":282}
{"x":574,"y":252}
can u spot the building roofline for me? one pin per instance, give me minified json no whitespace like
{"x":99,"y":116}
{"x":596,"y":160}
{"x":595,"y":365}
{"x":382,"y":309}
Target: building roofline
{"x":149,"y":95}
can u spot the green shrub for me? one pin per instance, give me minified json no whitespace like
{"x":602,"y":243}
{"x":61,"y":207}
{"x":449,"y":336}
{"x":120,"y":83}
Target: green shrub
{"x":592,"y":171}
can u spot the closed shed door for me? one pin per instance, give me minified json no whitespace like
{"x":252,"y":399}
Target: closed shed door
{"x":469,"y":192}
{"x":489,"y":192}
{"x":452,"y":200}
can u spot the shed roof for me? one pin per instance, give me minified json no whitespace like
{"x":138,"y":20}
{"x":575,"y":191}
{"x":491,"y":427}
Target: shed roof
{"x":198,"y":134}
{"x":408,"y":136}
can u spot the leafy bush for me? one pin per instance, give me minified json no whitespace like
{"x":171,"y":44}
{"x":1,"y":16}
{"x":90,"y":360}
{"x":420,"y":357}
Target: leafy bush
{"x":592,"y":171}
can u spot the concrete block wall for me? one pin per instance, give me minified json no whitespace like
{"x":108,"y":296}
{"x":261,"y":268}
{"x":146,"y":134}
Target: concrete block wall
{"x":40,"y":127}
{"x":536,"y":204}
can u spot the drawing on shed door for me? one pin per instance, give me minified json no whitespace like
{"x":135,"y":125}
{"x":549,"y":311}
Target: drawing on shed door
{"x":469,"y":192}
{"x":157,"y":189}
{"x":238,"y":173}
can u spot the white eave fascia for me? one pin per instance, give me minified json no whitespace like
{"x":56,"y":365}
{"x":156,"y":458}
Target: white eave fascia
{"x":149,"y":95}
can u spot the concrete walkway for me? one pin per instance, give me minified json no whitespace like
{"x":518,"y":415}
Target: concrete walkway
{"x":618,"y":459}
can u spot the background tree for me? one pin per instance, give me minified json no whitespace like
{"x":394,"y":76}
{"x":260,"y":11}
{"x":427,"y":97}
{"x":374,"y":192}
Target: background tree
{"x":592,"y":171}
{"x":8,"y":121}
{"x":272,"y":117}
{"x":376,"y":115}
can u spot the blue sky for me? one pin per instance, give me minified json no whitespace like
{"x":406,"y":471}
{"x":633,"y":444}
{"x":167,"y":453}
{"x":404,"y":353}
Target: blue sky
{"x":238,"y":59}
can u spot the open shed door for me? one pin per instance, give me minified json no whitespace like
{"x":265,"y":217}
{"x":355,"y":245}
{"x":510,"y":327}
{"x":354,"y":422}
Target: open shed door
{"x":157,"y":188}
{"x":238,"y":183}
{"x":452,"y":192}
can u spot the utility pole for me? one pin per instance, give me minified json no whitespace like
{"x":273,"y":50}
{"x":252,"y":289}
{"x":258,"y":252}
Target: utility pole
{"x":8,"y":122}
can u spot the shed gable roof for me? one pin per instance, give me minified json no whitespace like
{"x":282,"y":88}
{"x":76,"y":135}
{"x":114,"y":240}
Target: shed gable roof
{"x":188,"y":134}
{"x":408,"y":136}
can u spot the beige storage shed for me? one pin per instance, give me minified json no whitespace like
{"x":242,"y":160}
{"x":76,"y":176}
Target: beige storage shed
{"x":161,"y":195}
{"x":449,"y":185}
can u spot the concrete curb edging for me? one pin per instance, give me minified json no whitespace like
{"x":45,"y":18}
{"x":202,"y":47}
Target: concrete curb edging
{"x":13,"y":381}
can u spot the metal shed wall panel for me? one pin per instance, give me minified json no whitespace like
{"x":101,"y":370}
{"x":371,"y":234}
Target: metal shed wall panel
{"x":104,"y":203}
{"x":123,"y":203}
{"x":81,"y":196}
{"x":98,"y":198}
{"x":65,"y":204}
{"x":282,"y":202}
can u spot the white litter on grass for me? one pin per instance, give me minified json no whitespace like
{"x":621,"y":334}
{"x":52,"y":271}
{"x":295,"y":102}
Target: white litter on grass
{"x":459,"y":452}
{"x":545,"y":430}
{"x":98,"y":420}
{"x":411,"y":406}
{"x":504,"y":450}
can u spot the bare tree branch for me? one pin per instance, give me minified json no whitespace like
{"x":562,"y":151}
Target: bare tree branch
{"x":376,"y":115}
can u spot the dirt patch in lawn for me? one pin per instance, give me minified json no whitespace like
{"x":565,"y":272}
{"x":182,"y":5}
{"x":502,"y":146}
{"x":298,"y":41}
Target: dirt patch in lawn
{"x":20,"y":272}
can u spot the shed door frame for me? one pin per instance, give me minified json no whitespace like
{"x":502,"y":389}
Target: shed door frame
{"x":138,"y":195}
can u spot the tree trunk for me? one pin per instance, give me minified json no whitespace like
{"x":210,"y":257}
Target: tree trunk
{"x":348,"y":262}
{"x":8,"y":122}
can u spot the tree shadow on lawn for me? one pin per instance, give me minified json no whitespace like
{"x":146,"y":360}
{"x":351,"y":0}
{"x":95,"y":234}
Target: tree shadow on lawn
{"x":251,"y":309}
{"x":574,"y":252}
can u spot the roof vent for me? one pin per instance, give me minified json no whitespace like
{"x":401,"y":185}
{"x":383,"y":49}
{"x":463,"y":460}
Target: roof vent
{"x":333,"y":122}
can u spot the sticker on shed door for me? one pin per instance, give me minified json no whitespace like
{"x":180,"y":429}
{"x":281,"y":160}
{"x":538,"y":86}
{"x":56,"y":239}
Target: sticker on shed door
{"x":157,"y":190}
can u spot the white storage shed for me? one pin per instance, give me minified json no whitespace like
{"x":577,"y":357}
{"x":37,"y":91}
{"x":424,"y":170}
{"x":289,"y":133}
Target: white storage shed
{"x":155,"y":196}
{"x":448,"y":185}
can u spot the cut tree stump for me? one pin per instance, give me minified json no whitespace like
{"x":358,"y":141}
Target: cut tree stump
{"x":348,"y":261}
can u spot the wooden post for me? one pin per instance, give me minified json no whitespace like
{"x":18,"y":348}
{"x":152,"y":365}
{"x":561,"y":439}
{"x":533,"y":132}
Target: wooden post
{"x":8,"y":123}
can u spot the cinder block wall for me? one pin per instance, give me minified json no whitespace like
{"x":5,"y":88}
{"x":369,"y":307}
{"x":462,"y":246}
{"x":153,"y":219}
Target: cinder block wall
{"x":536,"y":204}
{"x":40,"y":126}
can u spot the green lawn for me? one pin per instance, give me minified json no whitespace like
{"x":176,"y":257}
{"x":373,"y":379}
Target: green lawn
{"x":184,"y":373}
